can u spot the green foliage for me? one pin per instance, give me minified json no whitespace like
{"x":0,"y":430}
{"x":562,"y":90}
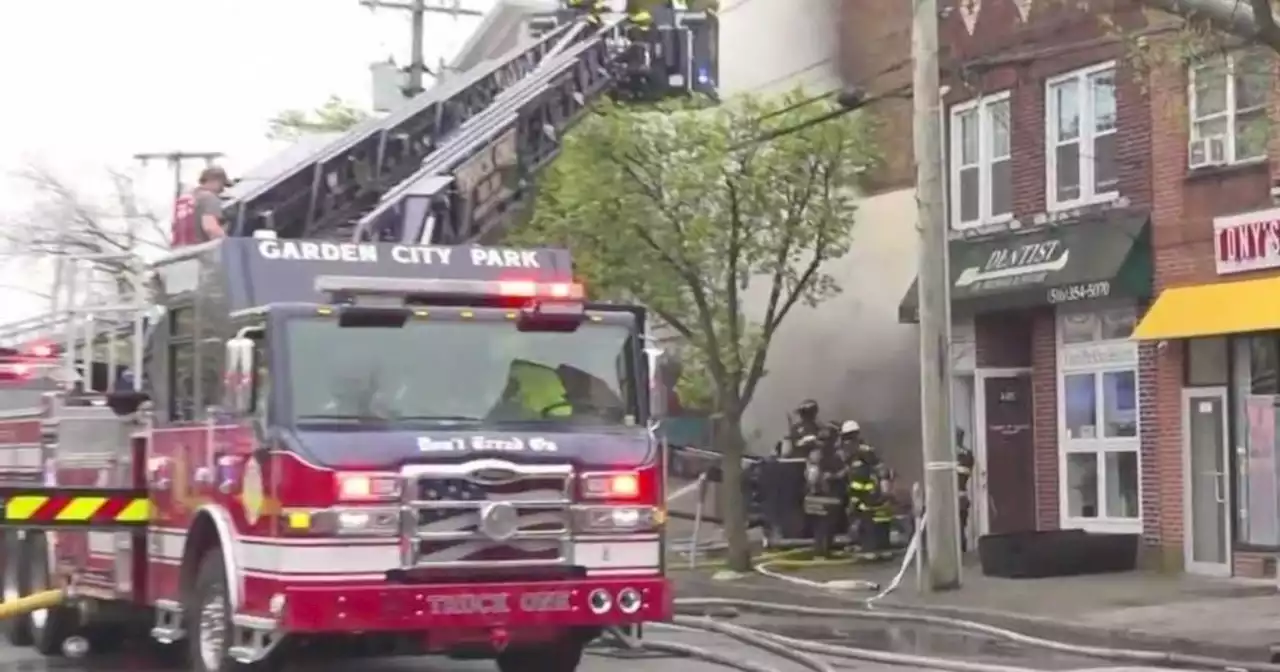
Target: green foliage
{"x":334,"y":115}
{"x":676,"y":208}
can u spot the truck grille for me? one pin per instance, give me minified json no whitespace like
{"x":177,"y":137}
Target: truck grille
{"x":448,"y":509}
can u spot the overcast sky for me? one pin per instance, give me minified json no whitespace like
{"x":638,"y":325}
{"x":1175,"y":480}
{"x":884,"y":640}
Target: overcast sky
{"x":88,"y":83}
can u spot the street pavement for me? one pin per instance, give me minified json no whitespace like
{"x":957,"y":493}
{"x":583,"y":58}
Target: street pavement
{"x":911,"y":640}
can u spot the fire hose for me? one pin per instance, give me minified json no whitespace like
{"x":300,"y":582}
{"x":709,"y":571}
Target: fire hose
{"x":25,"y":605}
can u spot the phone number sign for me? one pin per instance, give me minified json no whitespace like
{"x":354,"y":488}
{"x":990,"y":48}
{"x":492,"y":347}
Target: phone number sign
{"x":1080,"y":291}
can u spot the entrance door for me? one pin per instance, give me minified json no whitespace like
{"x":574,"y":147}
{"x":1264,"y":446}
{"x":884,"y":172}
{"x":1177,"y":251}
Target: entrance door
{"x":1006,"y":452}
{"x":1205,"y":460}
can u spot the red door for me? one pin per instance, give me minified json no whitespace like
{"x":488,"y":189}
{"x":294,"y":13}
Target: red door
{"x":1009,"y":453}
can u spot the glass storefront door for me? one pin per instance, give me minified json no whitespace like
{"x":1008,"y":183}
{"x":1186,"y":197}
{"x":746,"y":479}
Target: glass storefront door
{"x":1205,"y":461}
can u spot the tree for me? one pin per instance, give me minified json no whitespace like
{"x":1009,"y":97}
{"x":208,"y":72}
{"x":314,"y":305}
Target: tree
{"x":63,"y":222}
{"x":685,"y":210}
{"x":1248,"y":19}
{"x":104,"y":236}
{"x":334,"y":116}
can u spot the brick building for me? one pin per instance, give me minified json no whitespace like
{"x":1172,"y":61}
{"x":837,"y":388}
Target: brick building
{"x":1049,"y":198}
{"x":1210,"y":476}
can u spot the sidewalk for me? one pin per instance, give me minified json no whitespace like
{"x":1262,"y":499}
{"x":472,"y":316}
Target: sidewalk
{"x":1188,"y":615}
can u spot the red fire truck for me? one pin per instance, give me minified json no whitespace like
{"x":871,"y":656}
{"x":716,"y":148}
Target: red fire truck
{"x":438,"y":447}
{"x":349,"y":420}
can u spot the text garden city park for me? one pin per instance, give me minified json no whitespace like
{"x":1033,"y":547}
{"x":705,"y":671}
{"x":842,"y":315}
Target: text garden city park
{"x":290,"y":250}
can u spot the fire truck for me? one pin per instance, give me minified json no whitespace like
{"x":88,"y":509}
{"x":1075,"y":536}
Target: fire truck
{"x":353,"y":418}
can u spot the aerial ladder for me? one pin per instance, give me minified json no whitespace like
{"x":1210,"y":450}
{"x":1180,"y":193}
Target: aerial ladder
{"x":453,"y":161}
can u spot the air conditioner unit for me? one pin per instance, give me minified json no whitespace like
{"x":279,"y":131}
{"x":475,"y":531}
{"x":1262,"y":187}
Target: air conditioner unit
{"x":1208,"y":151}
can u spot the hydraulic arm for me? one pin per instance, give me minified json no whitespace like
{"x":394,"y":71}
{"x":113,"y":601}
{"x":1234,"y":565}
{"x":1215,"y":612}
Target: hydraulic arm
{"x":449,"y":165}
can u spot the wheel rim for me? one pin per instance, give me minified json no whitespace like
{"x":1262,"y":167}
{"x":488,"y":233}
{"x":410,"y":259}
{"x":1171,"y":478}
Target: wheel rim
{"x":39,"y":583}
{"x":213,"y":625}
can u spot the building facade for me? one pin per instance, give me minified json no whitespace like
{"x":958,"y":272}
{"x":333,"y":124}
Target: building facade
{"x":1049,"y":203}
{"x":1214,"y":327}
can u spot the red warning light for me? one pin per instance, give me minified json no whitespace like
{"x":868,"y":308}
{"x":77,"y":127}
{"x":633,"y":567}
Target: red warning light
{"x":42,"y":350}
{"x":527,"y":289}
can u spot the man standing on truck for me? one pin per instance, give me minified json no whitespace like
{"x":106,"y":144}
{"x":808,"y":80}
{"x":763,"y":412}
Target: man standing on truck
{"x":197,"y":216}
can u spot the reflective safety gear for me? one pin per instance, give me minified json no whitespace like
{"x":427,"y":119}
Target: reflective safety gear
{"x":541,"y":393}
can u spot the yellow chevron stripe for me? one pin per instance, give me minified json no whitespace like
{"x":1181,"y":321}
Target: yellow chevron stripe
{"x":138,"y":511}
{"x":80,"y":509}
{"x":23,"y":506}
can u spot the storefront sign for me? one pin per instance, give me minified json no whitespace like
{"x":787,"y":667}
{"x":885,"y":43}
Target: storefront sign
{"x":1015,"y":266}
{"x":1247,"y":242}
{"x":1080,"y":291}
{"x":1107,"y":354}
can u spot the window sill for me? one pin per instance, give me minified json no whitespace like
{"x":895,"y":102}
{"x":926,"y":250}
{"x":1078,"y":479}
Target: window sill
{"x":1226,"y":170}
{"x":1103,"y":525}
{"x":1088,"y":202}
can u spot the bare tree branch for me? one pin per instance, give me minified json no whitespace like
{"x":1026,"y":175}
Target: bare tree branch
{"x":63,"y":223}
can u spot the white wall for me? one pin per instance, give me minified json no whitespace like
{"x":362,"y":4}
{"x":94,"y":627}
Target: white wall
{"x":775,"y":45}
{"x":850,"y":353}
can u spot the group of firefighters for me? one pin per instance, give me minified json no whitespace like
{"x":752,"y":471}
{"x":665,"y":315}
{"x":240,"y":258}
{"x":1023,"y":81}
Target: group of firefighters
{"x":848,"y":488}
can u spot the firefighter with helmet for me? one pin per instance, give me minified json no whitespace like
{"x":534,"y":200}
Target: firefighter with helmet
{"x":870,"y":507}
{"x":826,"y":477}
{"x":804,"y":431}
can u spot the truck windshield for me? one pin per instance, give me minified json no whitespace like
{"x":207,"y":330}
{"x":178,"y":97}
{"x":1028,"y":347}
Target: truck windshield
{"x":459,"y":372}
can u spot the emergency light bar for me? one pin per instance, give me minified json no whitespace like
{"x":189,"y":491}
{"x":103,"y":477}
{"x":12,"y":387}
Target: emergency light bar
{"x":360,"y":289}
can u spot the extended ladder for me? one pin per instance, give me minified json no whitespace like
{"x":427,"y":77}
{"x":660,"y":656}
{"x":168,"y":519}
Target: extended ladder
{"x":448,"y":165}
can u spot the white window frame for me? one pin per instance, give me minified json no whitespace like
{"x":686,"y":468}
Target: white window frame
{"x":1086,"y":140}
{"x":982,"y":105}
{"x":1229,"y":113}
{"x":1102,"y":446}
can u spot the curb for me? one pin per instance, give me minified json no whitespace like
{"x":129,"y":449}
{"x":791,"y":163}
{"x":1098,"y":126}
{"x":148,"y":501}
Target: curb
{"x":1062,"y":630}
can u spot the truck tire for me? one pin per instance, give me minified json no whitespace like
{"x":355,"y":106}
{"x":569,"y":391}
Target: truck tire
{"x":16,"y":630}
{"x":49,"y":628}
{"x":207,"y":612}
{"x":561,"y":656}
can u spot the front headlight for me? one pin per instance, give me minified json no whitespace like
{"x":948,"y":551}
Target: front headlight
{"x":375,"y":522}
{"x":615,"y":518}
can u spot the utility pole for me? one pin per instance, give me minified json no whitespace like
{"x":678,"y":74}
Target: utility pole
{"x":418,"y":18}
{"x":942,"y":521}
{"x":176,"y":159}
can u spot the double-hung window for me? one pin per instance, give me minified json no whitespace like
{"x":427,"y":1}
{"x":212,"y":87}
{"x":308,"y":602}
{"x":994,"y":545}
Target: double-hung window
{"x":1081,"y":137}
{"x":981,"y":178}
{"x":1229,"y":95}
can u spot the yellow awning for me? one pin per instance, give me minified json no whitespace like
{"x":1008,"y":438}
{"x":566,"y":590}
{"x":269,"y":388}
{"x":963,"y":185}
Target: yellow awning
{"x":1213,"y":310}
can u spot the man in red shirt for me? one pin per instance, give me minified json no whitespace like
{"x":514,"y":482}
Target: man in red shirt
{"x":197,"y":216}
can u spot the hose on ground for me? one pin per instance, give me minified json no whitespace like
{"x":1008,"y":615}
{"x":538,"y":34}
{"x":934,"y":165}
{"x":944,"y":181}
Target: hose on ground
{"x":795,"y":647}
{"x":755,"y":639}
{"x":686,"y":650}
{"x":904,"y":616}
{"x":25,"y":605}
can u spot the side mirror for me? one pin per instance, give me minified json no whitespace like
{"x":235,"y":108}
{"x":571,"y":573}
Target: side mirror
{"x":240,"y":373}
{"x":658,"y":402}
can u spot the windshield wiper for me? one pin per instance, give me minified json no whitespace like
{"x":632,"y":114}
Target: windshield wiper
{"x":343,"y":416}
{"x":439,"y":418}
